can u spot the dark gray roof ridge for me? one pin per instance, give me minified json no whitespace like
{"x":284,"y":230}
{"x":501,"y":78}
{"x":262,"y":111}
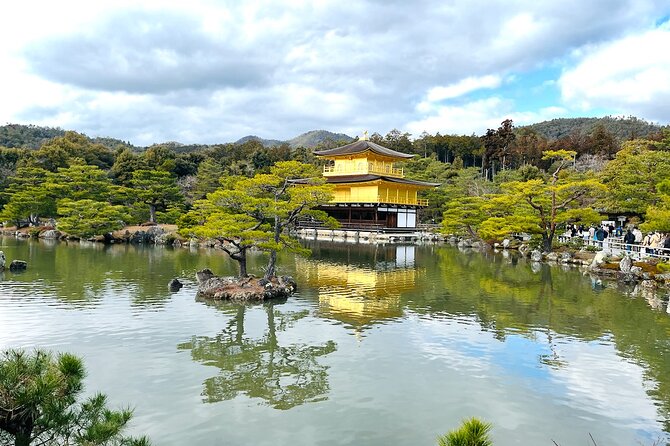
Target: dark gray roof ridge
{"x":360,"y":147}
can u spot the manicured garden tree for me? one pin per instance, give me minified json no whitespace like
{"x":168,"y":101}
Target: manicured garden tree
{"x":633,"y":176}
{"x":258,"y":212}
{"x":157,"y":189}
{"x":38,"y":404}
{"x":562,"y":197}
{"x":80,"y":182}
{"x":658,"y":216}
{"x":463,"y":216}
{"x":212,"y":218}
{"x":87,"y":218}
{"x":537,"y":206}
{"x":28,"y":198}
{"x":292,"y":190}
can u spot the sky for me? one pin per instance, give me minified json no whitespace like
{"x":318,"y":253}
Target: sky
{"x":215,"y":71}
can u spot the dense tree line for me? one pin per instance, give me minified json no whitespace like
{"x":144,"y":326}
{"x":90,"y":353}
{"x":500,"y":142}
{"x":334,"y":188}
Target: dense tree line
{"x":92,"y":189}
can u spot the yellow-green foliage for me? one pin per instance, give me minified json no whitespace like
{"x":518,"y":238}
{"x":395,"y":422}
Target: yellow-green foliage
{"x":86,"y":218}
{"x":663,"y":267}
{"x":658,"y":217}
{"x":632,"y":177}
{"x":257,"y":212}
{"x":472,"y":432}
{"x":535,"y":206}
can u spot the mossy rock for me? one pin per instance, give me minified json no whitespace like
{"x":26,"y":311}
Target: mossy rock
{"x":648,"y":267}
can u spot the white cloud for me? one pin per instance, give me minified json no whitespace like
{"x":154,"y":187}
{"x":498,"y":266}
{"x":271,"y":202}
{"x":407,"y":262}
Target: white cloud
{"x":476,"y":116}
{"x":463,"y":87}
{"x":215,"y":70}
{"x":629,"y":75}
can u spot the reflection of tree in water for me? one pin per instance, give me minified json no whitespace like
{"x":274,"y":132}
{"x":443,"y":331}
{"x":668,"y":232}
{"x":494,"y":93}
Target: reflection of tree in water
{"x":282,"y":376}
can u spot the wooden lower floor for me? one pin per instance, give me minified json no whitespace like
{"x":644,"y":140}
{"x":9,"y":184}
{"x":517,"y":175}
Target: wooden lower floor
{"x":374,"y":217}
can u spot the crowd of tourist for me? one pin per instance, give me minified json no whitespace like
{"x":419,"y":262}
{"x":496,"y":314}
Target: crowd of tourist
{"x":653,"y":242}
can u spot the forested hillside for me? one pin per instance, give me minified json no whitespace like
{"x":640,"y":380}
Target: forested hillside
{"x":28,"y":136}
{"x":265,"y":142}
{"x":618,"y":129}
{"x":622,"y":128}
{"x":491,"y":185}
{"x":317,"y":138}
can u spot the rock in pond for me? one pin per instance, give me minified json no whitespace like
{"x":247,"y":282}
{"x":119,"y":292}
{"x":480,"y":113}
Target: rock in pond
{"x":243,"y":290}
{"x":18,"y":265}
{"x":536,"y":255}
{"x":626,"y":264}
{"x":566,"y":257}
{"x":50,"y":234}
{"x":552,"y":257}
{"x":599,"y":259}
{"x":3,"y":261}
{"x":175,"y":285}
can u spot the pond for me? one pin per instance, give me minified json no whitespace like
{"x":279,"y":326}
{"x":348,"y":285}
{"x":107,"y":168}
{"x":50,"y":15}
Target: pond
{"x":382,"y":345}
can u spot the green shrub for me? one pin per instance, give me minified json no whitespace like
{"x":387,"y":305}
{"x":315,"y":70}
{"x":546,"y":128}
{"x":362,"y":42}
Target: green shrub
{"x":34,"y":232}
{"x":472,"y":432}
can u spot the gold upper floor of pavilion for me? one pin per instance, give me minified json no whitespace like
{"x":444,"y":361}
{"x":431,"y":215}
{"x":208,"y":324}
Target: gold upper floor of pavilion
{"x":362,"y":158}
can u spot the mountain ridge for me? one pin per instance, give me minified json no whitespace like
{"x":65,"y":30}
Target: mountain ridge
{"x":33,"y":137}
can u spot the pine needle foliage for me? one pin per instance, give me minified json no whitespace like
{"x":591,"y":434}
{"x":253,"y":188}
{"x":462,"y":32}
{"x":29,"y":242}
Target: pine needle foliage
{"x":472,"y":432}
{"x":38,"y":404}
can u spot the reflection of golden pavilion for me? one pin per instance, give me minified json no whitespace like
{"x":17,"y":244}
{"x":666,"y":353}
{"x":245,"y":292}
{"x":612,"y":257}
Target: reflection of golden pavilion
{"x":356,"y":295}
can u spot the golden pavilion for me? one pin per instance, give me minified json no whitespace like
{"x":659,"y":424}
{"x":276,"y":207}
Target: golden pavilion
{"x":370,"y":191}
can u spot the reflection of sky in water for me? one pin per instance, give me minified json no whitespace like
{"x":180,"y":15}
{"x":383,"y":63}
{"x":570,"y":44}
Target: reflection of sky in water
{"x":588,"y":377}
{"x":408,"y":379}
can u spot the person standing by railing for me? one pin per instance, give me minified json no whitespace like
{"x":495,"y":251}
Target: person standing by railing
{"x":655,"y":242}
{"x":646,"y":244}
{"x":629,"y":239}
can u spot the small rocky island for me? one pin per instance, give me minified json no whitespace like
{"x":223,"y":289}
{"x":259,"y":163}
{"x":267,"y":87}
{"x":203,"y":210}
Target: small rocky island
{"x":248,"y":289}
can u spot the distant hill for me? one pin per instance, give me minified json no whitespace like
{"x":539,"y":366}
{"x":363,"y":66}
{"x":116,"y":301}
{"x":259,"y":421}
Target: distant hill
{"x":623,"y":128}
{"x":113,"y":143}
{"x":310,"y":140}
{"x":33,"y":137}
{"x":27,"y":136}
{"x":316,"y":138}
{"x":265,"y":142}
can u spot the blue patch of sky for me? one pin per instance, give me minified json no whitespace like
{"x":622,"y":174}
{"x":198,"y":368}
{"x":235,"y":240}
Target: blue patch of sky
{"x":663,"y":20}
{"x":529,"y":90}
{"x":534,"y":90}
{"x":521,"y":358}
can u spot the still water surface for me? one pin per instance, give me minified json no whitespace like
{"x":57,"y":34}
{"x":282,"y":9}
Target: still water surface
{"x":383,"y":345}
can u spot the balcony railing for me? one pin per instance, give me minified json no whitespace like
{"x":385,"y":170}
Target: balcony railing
{"x":375,"y":168}
{"x":390,"y":200}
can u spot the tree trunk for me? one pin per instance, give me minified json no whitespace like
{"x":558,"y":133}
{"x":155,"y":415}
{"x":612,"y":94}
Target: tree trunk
{"x":242,"y":261}
{"x":152,"y":213}
{"x":270,"y":271}
{"x":547,"y":241}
